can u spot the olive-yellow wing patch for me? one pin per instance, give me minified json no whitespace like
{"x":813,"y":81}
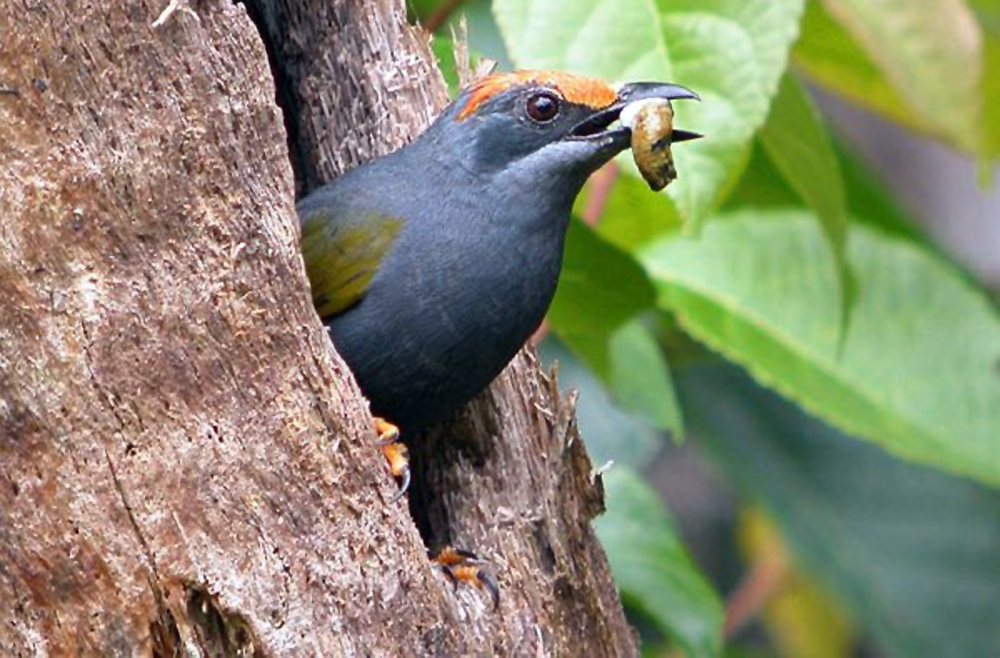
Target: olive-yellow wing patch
{"x":342,"y":258}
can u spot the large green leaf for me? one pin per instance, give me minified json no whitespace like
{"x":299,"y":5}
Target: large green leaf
{"x":830,"y":56}
{"x":913,"y":553}
{"x":633,"y":216}
{"x":869,"y":202}
{"x":652,"y":569}
{"x":764,"y":187}
{"x":602,"y":291}
{"x":640,"y":377}
{"x":931,"y":52}
{"x":732,"y":52}
{"x":918,"y":369}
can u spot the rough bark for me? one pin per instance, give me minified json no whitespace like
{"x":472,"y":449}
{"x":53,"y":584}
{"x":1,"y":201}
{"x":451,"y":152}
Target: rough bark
{"x":185,"y":464}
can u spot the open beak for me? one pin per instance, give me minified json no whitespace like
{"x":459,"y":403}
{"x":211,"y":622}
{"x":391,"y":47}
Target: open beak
{"x":599,"y":122}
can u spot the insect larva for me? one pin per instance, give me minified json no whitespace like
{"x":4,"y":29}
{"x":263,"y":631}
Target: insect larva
{"x":652,"y":124}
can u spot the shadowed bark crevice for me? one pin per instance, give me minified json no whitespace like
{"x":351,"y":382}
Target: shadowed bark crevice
{"x":281,"y":58}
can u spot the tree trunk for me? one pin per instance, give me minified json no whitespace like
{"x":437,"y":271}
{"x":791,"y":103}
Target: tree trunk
{"x":186,"y":466}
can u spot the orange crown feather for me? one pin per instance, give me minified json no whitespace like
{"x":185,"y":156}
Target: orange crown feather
{"x":574,"y":88}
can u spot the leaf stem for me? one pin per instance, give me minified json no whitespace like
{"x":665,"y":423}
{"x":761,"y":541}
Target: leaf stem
{"x":764,"y":580}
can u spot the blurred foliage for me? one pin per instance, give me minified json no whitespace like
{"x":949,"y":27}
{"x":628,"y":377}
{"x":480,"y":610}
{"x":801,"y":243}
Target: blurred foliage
{"x":912,"y":553}
{"x":799,"y":616}
{"x":923,"y":61}
{"x":778,"y":251}
{"x":653,"y":569}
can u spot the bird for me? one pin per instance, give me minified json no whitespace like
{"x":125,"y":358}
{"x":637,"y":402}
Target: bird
{"x":433,"y":265}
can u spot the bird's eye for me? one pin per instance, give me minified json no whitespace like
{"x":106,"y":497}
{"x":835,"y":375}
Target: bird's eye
{"x":543,"y":106}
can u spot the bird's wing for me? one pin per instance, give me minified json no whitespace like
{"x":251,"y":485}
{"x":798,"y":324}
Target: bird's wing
{"x":342,"y":255}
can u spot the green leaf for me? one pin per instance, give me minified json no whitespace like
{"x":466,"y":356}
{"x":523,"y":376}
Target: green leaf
{"x":600,"y":289}
{"x":829,"y":56}
{"x":732,"y":52}
{"x":869,"y":202}
{"x":930,"y":51}
{"x":640,"y":377}
{"x":918,"y":369}
{"x":991,"y":91}
{"x":633,"y":216}
{"x":762,"y":185}
{"x":484,"y":33}
{"x":795,"y":139}
{"x":988,"y":12}
{"x":913,"y":553}
{"x":420,"y":10}
{"x":652,"y":569}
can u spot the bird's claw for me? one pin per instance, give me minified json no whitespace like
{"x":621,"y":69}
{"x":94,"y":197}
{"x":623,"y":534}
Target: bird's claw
{"x":404,"y":485}
{"x":396,"y":454}
{"x":387,"y":432}
{"x":465,"y":566}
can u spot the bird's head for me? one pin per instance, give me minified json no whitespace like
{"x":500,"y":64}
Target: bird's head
{"x":551,"y":128}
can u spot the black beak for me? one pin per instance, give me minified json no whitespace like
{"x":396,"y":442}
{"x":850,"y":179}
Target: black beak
{"x":637,"y":91}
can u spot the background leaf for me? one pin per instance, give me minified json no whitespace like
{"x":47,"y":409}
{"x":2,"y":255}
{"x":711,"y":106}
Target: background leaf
{"x":611,"y":433}
{"x":634,"y":216}
{"x":444,"y":50}
{"x":917,"y":373}
{"x":988,"y":12}
{"x":652,"y":569}
{"x":800,"y":618}
{"x":600,"y":289}
{"x":829,"y":56}
{"x":640,"y":378}
{"x":796,"y":141}
{"x":932,"y":54}
{"x":913,"y":553}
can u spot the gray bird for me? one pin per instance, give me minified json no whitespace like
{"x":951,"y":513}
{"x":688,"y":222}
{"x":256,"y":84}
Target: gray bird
{"x":433,"y":265}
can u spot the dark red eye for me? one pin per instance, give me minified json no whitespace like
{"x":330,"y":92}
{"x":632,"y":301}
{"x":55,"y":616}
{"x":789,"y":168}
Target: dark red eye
{"x":543,"y":106}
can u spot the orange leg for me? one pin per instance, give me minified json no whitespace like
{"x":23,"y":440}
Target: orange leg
{"x":466,"y":567}
{"x":458,"y":565}
{"x":395,"y":453}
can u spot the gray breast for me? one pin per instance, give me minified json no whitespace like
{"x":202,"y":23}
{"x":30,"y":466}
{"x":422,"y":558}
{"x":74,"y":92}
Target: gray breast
{"x":444,"y":317}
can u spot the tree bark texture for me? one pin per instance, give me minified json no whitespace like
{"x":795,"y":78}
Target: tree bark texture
{"x":186,"y":466}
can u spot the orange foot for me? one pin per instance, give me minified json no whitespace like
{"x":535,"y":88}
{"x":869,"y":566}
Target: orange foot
{"x":466,"y":567}
{"x":395,"y":453}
